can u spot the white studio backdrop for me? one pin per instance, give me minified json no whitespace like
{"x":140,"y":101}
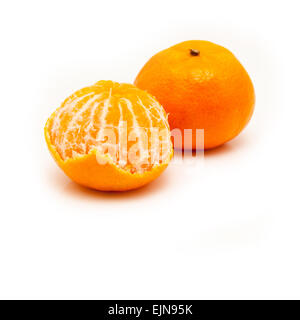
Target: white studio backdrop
{"x":227,"y":228}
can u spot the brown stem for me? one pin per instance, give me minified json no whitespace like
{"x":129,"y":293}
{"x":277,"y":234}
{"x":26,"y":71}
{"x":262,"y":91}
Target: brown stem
{"x":194,"y":52}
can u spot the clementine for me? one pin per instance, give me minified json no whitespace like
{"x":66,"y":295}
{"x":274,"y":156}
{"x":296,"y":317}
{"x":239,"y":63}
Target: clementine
{"x":202,"y":86}
{"x":102,"y":137}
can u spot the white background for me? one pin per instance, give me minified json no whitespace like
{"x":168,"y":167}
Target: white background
{"x":228,"y":228}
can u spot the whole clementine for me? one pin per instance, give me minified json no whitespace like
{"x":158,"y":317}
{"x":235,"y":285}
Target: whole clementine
{"x":202,"y":86}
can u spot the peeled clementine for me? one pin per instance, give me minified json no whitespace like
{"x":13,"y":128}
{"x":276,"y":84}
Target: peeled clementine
{"x":110,"y":137}
{"x":201,"y":85}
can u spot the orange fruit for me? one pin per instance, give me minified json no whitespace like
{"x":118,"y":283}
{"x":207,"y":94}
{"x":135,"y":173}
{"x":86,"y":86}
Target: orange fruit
{"x":202,"y":86}
{"x":110,"y":137}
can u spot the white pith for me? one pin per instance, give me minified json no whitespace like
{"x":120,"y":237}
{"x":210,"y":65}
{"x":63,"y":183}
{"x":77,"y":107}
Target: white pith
{"x":98,"y":103}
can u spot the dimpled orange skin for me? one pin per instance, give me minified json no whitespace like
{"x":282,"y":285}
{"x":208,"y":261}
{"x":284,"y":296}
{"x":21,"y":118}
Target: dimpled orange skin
{"x":201,"y":85}
{"x":87,"y":172}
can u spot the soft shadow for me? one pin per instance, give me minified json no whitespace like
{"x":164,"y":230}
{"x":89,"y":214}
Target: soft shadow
{"x":226,"y":148}
{"x":235,"y":145}
{"x":75,"y":190}
{"x":231,"y":147}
